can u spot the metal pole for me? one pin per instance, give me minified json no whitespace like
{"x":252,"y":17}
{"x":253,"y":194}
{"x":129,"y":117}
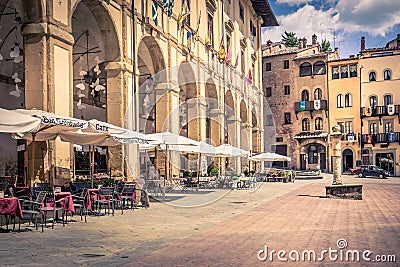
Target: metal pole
{"x":33,"y":158}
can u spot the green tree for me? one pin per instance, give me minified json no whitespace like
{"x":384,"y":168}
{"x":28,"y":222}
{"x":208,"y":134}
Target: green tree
{"x":290,"y":39}
{"x":326,"y":46}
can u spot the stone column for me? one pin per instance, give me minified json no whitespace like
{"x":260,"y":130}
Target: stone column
{"x":48,"y":83}
{"x":337,"y":160}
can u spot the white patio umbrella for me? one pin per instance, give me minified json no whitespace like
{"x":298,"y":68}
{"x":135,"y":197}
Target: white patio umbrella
{"x":12,"y":121}
{"x":269,"y":156}
{"x":227,"y":150}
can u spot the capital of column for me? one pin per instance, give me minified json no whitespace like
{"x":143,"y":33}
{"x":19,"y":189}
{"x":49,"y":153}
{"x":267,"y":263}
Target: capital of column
{"x":48,"y":30}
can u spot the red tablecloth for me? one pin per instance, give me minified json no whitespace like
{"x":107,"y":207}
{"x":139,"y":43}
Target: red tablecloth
{"x":10,"y":206}
{"x":91,"y":195}
{"x":67,"y":203}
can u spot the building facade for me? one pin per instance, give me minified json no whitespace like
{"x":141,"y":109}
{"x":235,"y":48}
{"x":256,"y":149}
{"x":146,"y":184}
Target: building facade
{"x":295,"y":87}
{"x":191,"y":68}
{"x":344,"y":106}
{"x":380,"y":105}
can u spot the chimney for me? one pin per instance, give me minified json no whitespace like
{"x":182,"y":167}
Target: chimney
{"x":300,"y":43}
{"x":398,"y":41}
{"x":304,"y":42}
{"x":314,"y":39}
{"x":362,"y":43}
{"x":336,"y":50}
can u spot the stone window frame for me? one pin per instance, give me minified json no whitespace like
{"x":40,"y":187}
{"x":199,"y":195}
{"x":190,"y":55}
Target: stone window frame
{"x":287,"y":116}
{"x":376,"y":127}
{"x":286,"y":64}
{"x":305,"y":125}
{"x":319,"y":124}
{"x":372,"y":76}
{"x":376,"y":103}
{"x":286,"y":89}
{"x":339,"y":101}
{"x":335,"y":73}
{"x":385,"y":122}
{"x":348,"y":100}
{"x":387,"y":74}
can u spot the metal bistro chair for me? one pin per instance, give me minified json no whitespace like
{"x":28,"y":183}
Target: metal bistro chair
{"x":33,"y":209}
{"x":57,"y":206}
{"x":105,"y":198}
{"x":80,"y":203}
{"x":127,"y":195}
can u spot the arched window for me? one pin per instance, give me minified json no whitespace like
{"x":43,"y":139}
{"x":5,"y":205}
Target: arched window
{"x":305,"y":125}
{"x":339,"y":101}
{"x":373,"y":101}
{"x":305,"y":69}
{"x":318,"y":94}
{"x":348,"y":101}
{"x":387,"y":100}
{"x":319,"y":68}
{"x":372,"y":76}
{"x":318,"y":124}
{"x":387,"y":74}
{"x":304,"y":95}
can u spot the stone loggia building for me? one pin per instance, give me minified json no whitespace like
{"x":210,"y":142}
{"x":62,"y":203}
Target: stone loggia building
{"x":143,"y":65}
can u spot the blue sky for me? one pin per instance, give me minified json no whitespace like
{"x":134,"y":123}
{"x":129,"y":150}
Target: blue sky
{"x":342,"y":22}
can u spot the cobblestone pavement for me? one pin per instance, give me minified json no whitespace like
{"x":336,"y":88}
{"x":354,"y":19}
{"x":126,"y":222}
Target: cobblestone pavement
{"x":228,"y":232}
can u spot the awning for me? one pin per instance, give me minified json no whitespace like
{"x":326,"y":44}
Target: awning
{"x":269,"y":156}
{"x":310,"y":135}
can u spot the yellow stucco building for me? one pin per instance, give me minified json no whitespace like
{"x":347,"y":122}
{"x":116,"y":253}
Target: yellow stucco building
{"x":344,"y":107}
{"x":380,"y":105}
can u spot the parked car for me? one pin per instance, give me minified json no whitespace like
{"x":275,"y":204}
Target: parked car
{"x":355,"y":170}
{"x":374,"y":171}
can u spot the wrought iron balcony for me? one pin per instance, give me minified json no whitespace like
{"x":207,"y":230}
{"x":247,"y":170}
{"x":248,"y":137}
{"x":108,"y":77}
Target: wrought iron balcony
{"x":379,"y":111}
{"x":381,"y":138}
{"x":309,"y":106}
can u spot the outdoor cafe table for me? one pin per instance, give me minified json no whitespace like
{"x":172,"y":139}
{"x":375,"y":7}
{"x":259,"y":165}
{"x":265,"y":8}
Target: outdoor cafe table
{"x":66,"y":201}
{"x":10,"y":206}
{"x":91,"y":195}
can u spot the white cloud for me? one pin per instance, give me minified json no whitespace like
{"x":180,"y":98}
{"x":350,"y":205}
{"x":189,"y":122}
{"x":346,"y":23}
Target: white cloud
{"x":371,"y":16}
{"x":305,"y":22}
{"x":293,"y":2}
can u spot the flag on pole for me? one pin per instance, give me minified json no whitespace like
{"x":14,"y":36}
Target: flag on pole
{"x":237,"y":60}
{"x":250,"y":78}
{"x":183,"y":15}
{"x":228,"y":55}
{"x":154,"y":12}
{"x":221,"y":52}
{"x":189,"y":39}
{"x":196,"y":32}
{"x":168,"y":5}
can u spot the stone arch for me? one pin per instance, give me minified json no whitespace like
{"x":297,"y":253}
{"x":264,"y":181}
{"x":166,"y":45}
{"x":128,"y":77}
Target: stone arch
{"x":348,"y":156}
{"x":230,"y":118}
{"x":229,"y":104}
{"x":243,"y":112}
{"x":213,"y":119}
{"x":96,"y":44}
{"x":150,"y":64}
{"x":188,"y":108}
{"x":106,"y":24}
{"x":244,"y":129}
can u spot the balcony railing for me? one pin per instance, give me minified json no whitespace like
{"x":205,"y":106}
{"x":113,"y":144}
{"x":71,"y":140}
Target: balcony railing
{"x":381,"y":138}
{"x":379,"y":111}
{"x":349,"y":137}
{"x":309,"y":106}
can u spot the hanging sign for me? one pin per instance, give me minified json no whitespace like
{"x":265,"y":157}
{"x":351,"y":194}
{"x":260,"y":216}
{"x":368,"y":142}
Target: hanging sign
{"x":302,"y":105}
{"x":317,"y":104}
{"x":390,"y":109}
{"x":391,"y":137}
{"x":368,"y":111}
